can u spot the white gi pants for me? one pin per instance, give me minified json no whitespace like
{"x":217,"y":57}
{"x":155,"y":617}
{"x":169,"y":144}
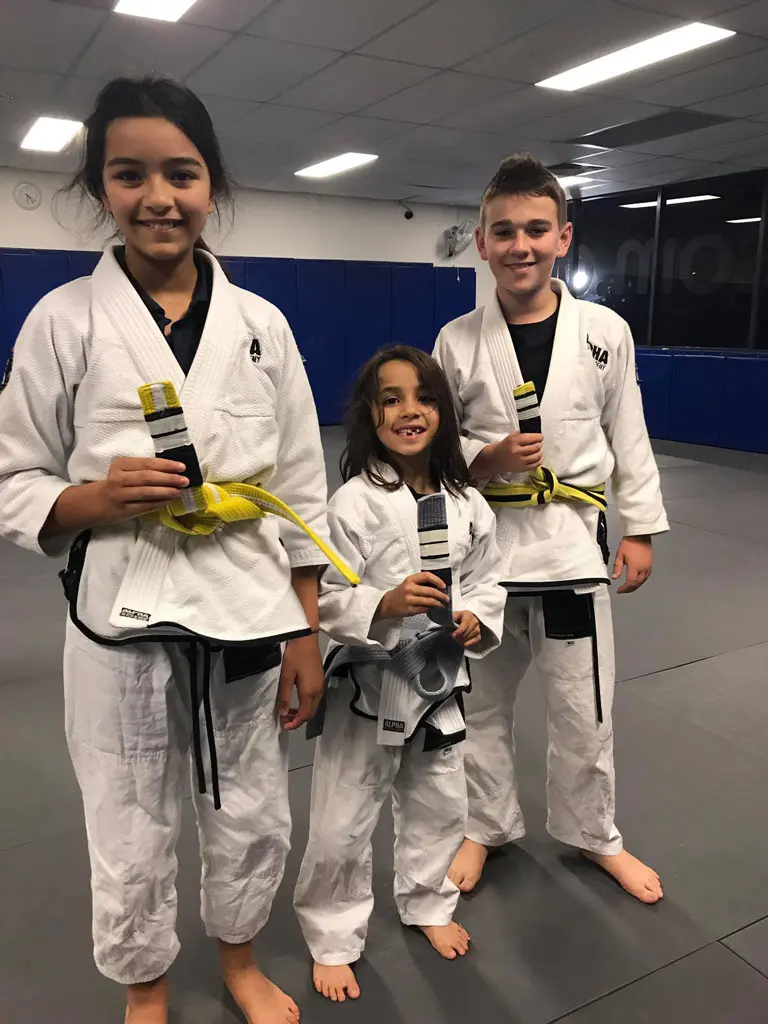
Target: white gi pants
{"x":580,"y":774}
{"x":129,"y":727}
{"x":352,"y":777}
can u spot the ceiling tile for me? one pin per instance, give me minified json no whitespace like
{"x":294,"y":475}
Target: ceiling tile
{"x":75,"y":97}
{"x":248,"y":68}
{"x":437,"y":97}
{"x":270,"y":123}
{"x":428,"y":142}
{"x":354,"y":82}
{"x":745,"y":103}
{"x":597,"y":114}
{"x":450,"y":31}
{"x":729,"y":131}
{"x":520,"y":105}
{"x":337,"y":24}
{"x":356,"y":133}
{"x":708,"y":81}
{"x":688,"y":9}
{"x":752,"y":18}
{"x":133,"y":46}
{"x":30,"y":91}
{"x":225,"y":112}
{"x":754,"y":160}
{"x":228,"y":15}
{"x":611,"y":158}
{"x":732,"y":150}
{"x":586,"y":31}
{"x":657,"y":168}
{"x":66,"y":32}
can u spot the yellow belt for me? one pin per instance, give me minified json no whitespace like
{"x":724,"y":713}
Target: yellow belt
{"x":198,"y":511}
{"x":541,"y":488}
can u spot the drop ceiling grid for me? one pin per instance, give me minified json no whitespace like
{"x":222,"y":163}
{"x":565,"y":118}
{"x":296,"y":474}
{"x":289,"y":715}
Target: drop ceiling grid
{"x":432,"y":83}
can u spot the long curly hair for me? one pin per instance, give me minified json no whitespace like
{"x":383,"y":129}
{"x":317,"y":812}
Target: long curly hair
{"x":364,"y":450}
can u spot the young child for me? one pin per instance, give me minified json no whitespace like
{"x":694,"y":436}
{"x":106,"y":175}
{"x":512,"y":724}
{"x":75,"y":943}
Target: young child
{"x":422,"y":540}
{"x":167,"y":611}
{"x":548,"y":469}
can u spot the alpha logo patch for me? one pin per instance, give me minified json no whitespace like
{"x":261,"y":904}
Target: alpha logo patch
{"x":600,"y":355}
{"x":255,"y":350}
{"x":393,"y":725}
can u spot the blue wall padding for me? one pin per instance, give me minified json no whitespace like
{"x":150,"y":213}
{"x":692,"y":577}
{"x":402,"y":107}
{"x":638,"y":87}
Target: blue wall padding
{"x":654,"y":370}
{"x":340,"y":311}
{"x":454,"y":293}
{"x":745,"y":397}
{"x":696,"y":408}
{"x":413,"y":305}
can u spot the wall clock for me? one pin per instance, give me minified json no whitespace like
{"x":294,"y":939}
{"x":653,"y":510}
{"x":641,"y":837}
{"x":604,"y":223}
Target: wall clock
{"x":27,"y":196}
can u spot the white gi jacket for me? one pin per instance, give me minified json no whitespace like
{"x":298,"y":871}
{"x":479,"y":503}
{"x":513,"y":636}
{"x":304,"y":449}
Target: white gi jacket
{"x":375,"y":532}
{"x":593,"y":427}
{"x":70,"y":407}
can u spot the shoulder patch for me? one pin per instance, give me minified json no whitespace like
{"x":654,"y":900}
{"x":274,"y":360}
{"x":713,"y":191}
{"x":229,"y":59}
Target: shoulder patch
{"x":600,"y":355}
{"x":7,"y":372}
{"x":255,"y":350}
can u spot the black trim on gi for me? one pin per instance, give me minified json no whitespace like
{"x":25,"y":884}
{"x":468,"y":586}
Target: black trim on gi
{"x":242,"y":658}
{"x":569,"y":616}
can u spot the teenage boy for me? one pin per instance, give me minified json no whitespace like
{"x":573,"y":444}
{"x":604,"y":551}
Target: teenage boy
{"x":544,"y":471}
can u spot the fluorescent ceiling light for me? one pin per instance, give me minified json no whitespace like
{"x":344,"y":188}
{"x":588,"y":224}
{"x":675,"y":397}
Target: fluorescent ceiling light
{"x":591,"y":145}
{"x":744,"y":220}
{"x":573,"y":179}
{"x":690,"y":199}
{"x":669,"y":202}
{"x":336,"y":165}
{"x":160,"y":10}
{"x":650,"y":51}
{"x":51,"y":134}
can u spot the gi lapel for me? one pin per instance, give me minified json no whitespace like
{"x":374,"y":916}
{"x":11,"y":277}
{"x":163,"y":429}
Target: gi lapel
{"x":562,"y":369}
{"x":506,"y":369}
{"x":131,"y":323}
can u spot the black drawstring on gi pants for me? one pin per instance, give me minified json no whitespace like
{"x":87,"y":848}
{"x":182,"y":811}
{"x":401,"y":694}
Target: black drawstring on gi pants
{"x":207,"y":712}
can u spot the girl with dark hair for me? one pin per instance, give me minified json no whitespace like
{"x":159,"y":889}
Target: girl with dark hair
{"x":181,"y":589}
{"x":422,"y":539}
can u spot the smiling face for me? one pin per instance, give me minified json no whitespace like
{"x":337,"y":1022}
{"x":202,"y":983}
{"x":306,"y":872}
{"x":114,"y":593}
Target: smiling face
{"x":156,"y":187}
{"x":406,"y":415}
{"x":520,"y":238}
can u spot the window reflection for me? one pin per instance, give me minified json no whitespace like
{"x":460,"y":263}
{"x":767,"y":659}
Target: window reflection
{"x":707,"y":257}
{"x":615,"y":256}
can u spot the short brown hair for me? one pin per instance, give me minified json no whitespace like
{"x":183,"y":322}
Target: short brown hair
{"x":523,"y":175}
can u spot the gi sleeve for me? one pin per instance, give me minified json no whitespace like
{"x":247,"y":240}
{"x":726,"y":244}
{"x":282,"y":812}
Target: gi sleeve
{"x":636,"y":485}
{"x":36,"y":432}
{"x":299,"y":478}
{"x":346,"y":613}
{"x":481,"y":590}
{"x":444,"y":356}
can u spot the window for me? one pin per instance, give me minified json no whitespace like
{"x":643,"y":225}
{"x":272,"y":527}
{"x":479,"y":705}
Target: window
{"x":615,"y":256}
{"x":707,"y":257}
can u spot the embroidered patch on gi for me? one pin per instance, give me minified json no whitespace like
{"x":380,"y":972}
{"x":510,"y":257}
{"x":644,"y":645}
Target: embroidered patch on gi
{"x":255,"y":350}
{"x":7,"y":373}
{"x":600,"y":355}
{"x":392,"y":725}
{"x":131,"y":613}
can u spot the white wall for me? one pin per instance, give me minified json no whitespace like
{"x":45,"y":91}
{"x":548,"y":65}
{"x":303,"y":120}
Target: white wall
{"x":265,"y":224}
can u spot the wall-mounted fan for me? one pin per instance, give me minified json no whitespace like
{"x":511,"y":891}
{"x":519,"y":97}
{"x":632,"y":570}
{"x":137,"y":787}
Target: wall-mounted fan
{"x":459,"y":237}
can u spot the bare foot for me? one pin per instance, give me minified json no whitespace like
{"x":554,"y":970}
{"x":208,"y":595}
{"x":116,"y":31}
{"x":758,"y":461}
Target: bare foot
{"x":468,"y":865}
{"x":450,"y":940}
{"x":335,"y":983}
{"x":148,"y":1004}
{"x":260,"y":1001}
{"x":637,"y":878}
